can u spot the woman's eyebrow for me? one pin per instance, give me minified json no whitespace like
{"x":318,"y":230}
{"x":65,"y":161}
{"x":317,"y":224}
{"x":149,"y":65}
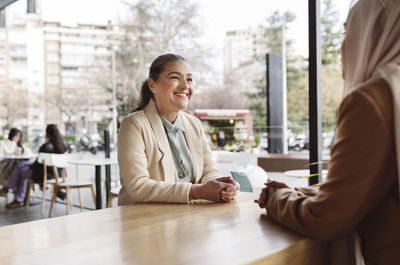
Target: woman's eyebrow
{"x":179,"y":73}
{"x":176,"y":73}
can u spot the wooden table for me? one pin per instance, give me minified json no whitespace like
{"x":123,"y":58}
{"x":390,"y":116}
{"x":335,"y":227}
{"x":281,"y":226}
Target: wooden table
{"x":97,"y":162}
{"x":212,"y":233}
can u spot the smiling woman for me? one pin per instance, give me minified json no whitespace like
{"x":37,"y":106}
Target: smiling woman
{"x":163,"y":153}
{"x":173,"y":90}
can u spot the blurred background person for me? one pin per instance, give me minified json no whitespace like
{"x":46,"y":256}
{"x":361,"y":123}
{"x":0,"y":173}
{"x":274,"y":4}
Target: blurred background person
{"x":26,"y":169}
{"x":10,"y":146}
{"x":13,"y":144}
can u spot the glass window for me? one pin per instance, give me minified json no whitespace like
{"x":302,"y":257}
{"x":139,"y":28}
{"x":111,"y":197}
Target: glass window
{"x":18,"y":59}
{"x":52,"y":46}
{"x":53,"y":68}
{"x":51,"y":36}
{"x":3,"y":59}
{"x":53,"y":80}
{"x":18,"y":48}
{"x":53,"y":57}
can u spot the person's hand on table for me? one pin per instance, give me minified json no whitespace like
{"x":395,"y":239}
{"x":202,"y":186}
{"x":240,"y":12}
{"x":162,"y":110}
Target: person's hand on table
{"x":276,"y":185}
{"x":211,"y":190}
{"x":230,"y":193}
{"x":18,"y":151}
{"x":271,"y":187}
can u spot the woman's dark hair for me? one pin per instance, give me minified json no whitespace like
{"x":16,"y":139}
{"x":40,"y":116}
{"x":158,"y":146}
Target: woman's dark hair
{"x":156,"y":68}
{"x":55,"y":138}
{"x":14,"y":132}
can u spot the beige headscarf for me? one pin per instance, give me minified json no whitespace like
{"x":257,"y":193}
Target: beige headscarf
{"x":372,"y":50}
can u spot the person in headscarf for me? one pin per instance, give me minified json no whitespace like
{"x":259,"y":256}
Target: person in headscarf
{"x":361,"y":194}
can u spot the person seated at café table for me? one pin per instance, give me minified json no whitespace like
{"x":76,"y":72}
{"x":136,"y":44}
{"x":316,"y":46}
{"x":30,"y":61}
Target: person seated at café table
{"x":10,"y":146}
{"x":26,"y":170}
{"x":163,"y":153}
{"x":361,"y":194}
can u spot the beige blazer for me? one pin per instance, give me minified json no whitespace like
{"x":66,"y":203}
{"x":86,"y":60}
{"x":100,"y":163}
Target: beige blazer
{"x":145,"y":160}
{"x":361,"y":190}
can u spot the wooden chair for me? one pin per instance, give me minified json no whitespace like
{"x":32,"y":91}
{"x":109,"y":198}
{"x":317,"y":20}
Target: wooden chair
{"x":46,"y":182}
{"x":113,"y":194}
{"x":29,"y":188}
{"x":59,"y":161}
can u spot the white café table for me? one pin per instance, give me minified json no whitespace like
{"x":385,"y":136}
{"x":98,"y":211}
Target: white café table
{"x":97,"y":162}
{"x":20,"y":157}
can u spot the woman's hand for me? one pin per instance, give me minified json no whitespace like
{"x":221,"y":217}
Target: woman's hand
{"x":230,"y":193}
{"x":276,"y":185}
{"x":271,"y":187}
{"x":262,"y":199}
{"x":211,"y":190}
{"x":18,"y":151}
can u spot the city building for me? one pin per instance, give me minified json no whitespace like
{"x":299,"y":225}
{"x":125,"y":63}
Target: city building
{"x":71,"y":56}
{"x":244,"y":50}
{"x":48,"y":73}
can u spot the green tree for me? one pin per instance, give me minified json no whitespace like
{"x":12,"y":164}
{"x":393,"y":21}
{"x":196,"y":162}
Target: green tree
{"x":331,"y":36}
{"x":258,"y":103}
{"x":273,"y":33}
{"x":14,"y":103}
{"x":297,"y":96}
{"x":332,"y":91}
{"x":332,"y":83}
{"x":297,"y":77}
{"x":273,"y":43}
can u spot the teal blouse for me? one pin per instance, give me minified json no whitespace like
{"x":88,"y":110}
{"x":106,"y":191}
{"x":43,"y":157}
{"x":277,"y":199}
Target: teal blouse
{"x":179,"y":149}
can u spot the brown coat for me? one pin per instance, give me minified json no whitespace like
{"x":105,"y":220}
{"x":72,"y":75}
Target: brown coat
{"x":361,"y":191}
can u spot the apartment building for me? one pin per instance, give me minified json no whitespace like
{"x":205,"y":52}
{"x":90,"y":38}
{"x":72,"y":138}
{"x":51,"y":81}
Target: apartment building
{"x":21,"y":70}
{"x":49,"y":70}
{"x":243,"y":49}
{"x":72,"y":54}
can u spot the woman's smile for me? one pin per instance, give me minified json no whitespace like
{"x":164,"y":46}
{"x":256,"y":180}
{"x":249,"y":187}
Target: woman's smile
{"x":182,"y":94}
